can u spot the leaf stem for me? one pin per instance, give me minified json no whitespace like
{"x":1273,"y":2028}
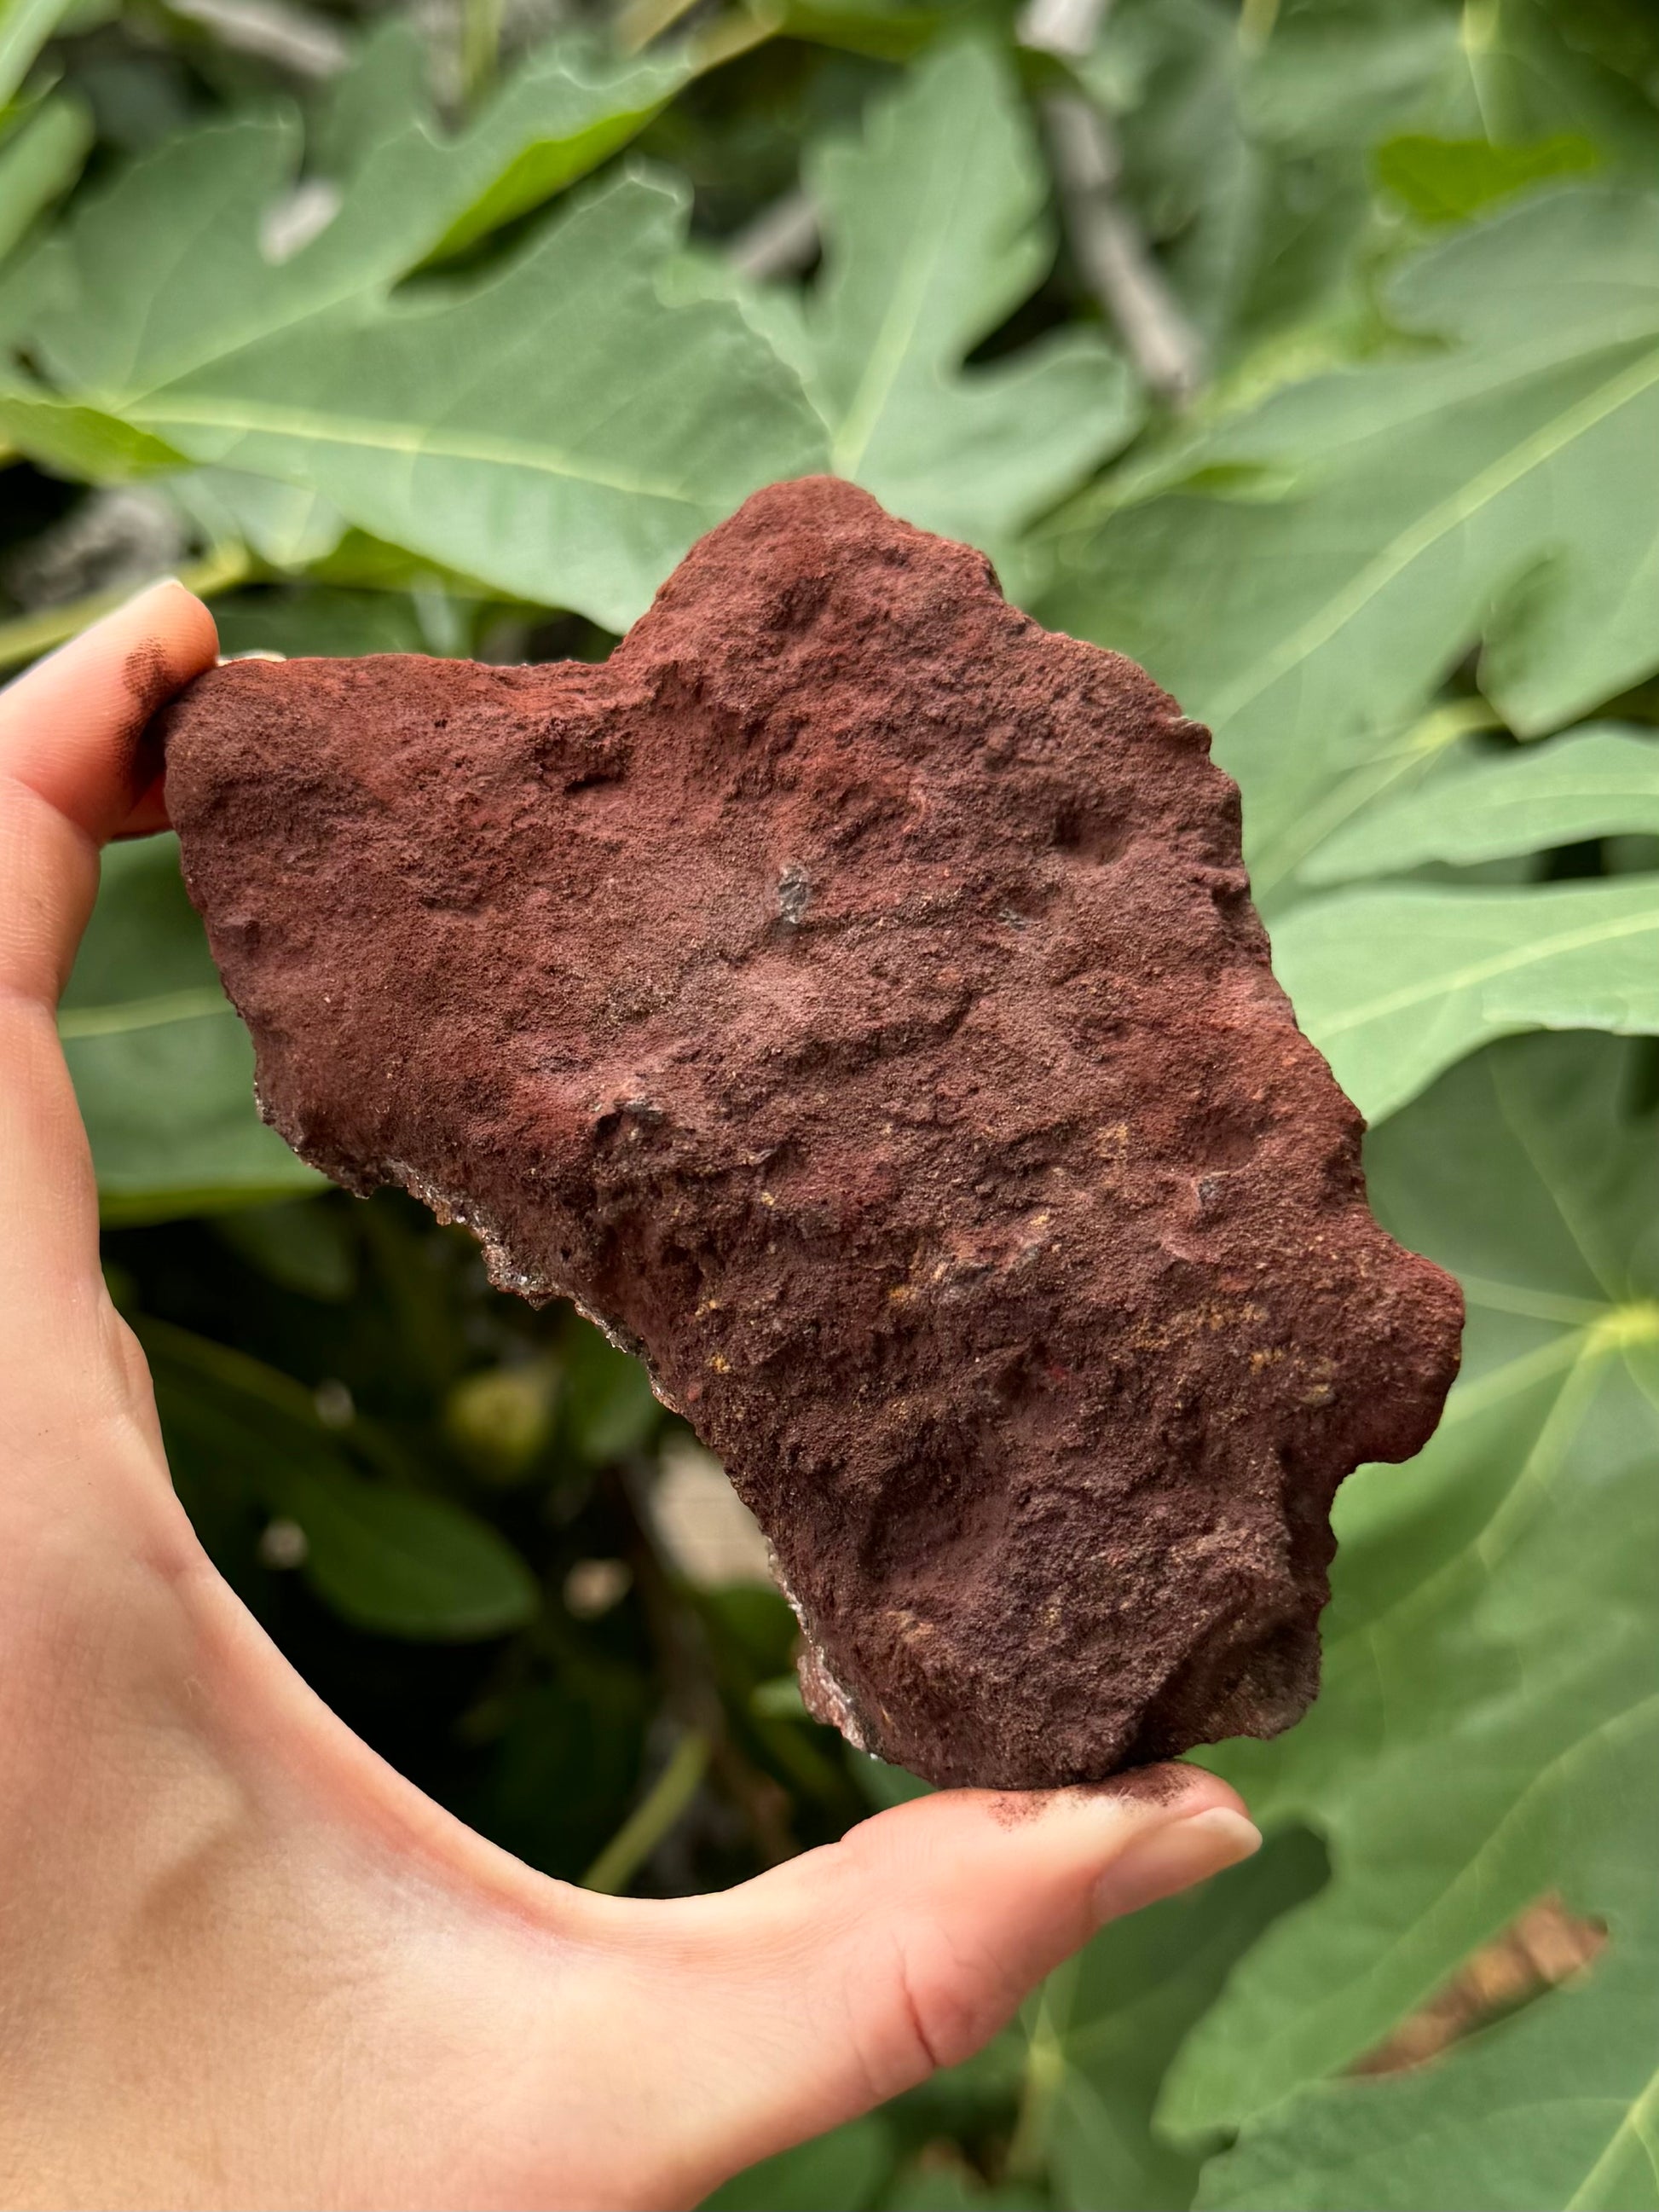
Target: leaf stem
{"x":1044,"y":2072}
{"x":1256,"y":19}
{"x":640,"y":21}
{"x":481,"y":41}
{"x":655,"y":1815}
{"x":31,"y":635}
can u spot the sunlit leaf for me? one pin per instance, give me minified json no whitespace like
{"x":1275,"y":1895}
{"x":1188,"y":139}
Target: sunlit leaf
{"x":24,"y":27}
{"x":38,"y":162}
{"x":484,"y":427}
{"x":1394,"y":984}
{"x":169,"y":268}
{"x":936,"y":227}
{"x":78,"y":440}
{"x":1600,"y":782}
{"x":1332,"y":555}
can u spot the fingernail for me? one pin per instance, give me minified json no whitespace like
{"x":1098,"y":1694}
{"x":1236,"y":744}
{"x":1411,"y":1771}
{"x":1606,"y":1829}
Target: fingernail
{"x":1174,"y":1857}
{"x":253,"y":653}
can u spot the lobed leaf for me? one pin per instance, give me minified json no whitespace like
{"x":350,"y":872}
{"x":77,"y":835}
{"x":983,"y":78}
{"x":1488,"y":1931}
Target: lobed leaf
{"x":1488,"y":1725}
{"x":936,"y":227}
{"x":1394,"y":984}
{"x":1600,"y":782}
{"x":171,"y":268}
{"x":558,"y":431}
{"x":1327,"y":559}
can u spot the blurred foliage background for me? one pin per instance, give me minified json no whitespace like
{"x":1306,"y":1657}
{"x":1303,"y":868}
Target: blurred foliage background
{"x":1307,"y":349}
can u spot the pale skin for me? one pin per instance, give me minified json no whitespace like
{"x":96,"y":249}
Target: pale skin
{"x":242,"y":1962}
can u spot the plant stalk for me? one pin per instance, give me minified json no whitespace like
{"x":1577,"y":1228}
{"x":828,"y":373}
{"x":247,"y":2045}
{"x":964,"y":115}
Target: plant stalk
{"x":655,"y":1815}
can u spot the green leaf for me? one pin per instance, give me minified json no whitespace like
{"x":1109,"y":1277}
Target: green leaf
{"x":38,"y":162}
{"x":892,"y":30}
{"x":318,"y":619}
{"x":1600,"y":782}
{"x":1394,"y":984}
{"x":1107,"y":2025}
{"x":395,"y":1562}
{"x":566,"y":111}
{"x":1332,"y":555}
{"x":936,"y":227}
{"x":1488,"y":1731}
{"x":162,"y":1067}
{"x":24,"y":27}
{"x":837,"y":2172}
{"x":164,"y":271}
{"x":1450,"y":179}
{"x":1246,"y":161}
{"x":299,"y":1243}
{"x":400,"y":1563}
{"x":78,"y":440}
{"x":606,"y":1409}
{"x":286,"y":525}
{"x":558,"y":431}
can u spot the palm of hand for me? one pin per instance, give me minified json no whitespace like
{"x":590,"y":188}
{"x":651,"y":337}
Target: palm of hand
{"x":244,"y":1962}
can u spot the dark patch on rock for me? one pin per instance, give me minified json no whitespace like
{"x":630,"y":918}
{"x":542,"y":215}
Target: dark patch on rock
{"x":850,"y":994}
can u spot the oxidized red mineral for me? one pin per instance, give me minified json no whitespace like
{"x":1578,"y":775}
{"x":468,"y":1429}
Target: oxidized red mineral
{"x":849,"y":993}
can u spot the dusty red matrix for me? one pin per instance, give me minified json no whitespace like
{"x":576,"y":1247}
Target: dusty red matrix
{"x":850,"y":994}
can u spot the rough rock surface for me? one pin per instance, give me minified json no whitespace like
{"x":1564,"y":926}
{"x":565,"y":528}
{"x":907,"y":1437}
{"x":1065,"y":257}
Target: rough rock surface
{"x":850,"y":994}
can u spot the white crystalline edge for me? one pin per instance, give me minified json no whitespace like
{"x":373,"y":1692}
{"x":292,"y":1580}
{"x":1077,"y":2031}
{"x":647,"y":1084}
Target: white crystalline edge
{"x":842,"y":1711}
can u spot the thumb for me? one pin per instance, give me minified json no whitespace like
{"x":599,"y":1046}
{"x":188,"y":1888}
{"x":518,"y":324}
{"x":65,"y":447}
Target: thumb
{"x":848,"y":1975}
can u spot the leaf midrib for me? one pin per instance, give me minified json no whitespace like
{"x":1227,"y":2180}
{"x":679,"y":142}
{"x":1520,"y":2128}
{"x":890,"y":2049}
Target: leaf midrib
{"x":1539,"y":448}
{"x":1639,"y":2109}
{"x":1629,"y":1719}
{"x":886,"y":357}
{"x":1481,"y":971}
{"x":254,"y":418}
{"x":122,"y":1016}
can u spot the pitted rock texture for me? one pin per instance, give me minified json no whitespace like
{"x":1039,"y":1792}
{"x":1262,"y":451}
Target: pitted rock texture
{"x":850,"y":994}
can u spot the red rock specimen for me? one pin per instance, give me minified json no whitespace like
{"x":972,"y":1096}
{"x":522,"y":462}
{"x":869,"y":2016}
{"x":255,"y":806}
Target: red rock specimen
{"x":850,"y":994}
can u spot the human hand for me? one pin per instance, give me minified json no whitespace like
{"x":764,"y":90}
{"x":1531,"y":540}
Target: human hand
{"x":244,"y":1963}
